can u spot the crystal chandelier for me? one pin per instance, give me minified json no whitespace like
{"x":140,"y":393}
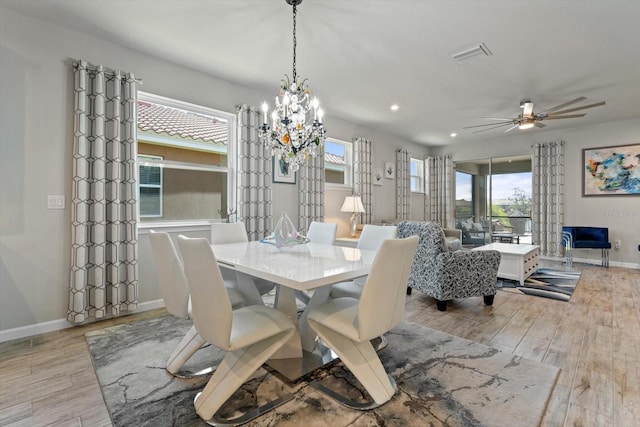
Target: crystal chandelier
{"x":296,"y":132}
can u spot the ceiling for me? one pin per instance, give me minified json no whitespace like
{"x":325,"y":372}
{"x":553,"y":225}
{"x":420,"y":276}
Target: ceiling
{"x":361,"y":56}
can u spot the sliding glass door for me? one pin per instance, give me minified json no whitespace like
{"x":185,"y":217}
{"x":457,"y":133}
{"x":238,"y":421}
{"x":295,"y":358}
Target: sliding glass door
{"x":493,"y":199}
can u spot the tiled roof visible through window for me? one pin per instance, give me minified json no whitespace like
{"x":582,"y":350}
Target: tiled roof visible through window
{"x":185,"y":124}
{"x":332,"y":158}
{"x":174,"y":122}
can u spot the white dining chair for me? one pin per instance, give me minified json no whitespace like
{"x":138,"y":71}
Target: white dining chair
{"x":371,"y":239}
{"x":322,"y":232}
{"x":175,"y":294}
{"x":228,"y":232}
{"x":347,"y":325}
{"x":235,"y":232}
{"x":249,"y":335}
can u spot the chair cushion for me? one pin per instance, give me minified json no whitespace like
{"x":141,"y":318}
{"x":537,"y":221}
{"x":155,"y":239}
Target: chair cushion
{"x":592,"y":244}
{"x":453,"y":244}
{"x":256,"y":323}
{"x":338,"y":314}
{"x":235,"y":297}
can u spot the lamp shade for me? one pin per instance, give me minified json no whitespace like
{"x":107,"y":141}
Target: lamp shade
{"x":352,"y":204}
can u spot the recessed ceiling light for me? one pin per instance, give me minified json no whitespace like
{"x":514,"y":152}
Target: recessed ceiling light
{"x":395,"y":107}
{"x":453,"y":134}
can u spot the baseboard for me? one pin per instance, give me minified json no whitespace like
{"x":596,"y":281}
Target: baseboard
{"x":597,"y":262}
{"x":59,"y":324}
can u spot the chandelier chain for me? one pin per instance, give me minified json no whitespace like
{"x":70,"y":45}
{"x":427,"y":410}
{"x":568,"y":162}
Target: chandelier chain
{"x":294,"y":41}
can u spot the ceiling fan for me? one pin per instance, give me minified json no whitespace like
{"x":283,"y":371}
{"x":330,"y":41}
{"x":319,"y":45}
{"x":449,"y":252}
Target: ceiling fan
{"x":528,"y":119}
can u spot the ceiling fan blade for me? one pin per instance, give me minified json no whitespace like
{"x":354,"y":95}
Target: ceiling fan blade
{"x":494,"y":127}
{"x":511,"y":128}
{"x":566,"y":104}
{"x":488,"y":124}
{"x":570,"y":116}
{"x":497,"y":118}
{"x":596,"y":104}
{"x":539,"y":124}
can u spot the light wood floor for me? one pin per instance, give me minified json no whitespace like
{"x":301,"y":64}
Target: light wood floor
{"x":49,"y":380}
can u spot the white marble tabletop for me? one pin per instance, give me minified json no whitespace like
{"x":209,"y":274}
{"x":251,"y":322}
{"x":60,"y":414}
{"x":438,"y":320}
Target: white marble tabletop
{"x":301,"y":267}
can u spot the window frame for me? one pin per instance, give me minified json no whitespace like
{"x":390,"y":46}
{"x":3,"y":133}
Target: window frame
{"x":149,"y":161}
{"x":232,"y":158}
{"x":420,"y":169}
{"x":348,"y":164}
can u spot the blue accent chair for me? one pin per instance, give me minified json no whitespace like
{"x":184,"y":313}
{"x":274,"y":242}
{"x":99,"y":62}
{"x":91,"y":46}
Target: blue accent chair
{"x":586,"y":238}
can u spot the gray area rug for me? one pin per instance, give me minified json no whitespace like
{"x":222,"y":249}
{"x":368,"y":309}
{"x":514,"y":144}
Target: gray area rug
{"x":442,"y":380}
{"x":546,"y":282}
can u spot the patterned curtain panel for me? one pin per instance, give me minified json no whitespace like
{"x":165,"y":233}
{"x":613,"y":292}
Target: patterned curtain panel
{"x":254,"y":175}
{"x":311,"y":192}
{"x":104,"y":246}
{"x":547,"y":212}
{"x":403,"y":184}
{"x":363,"y":176}
{"x":438,"y":205}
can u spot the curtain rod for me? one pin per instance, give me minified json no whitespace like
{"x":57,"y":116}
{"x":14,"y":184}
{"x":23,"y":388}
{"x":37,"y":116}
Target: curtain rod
{"x":106,"y":71}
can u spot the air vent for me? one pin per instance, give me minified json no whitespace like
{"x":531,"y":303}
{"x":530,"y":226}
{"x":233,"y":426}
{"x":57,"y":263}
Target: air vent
{"x":472,"y":53}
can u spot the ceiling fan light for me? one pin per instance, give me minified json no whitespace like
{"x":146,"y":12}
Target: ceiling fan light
{"x":526,"y":125}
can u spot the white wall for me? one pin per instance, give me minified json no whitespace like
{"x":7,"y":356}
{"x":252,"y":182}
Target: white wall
{"x":36,"y":141}
{"x":621,"y":214}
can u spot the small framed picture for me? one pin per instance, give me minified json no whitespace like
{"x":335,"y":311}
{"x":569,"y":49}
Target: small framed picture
{"x":377,"y":176}
{"x":281,"y":172}
{"x":389,"y":170}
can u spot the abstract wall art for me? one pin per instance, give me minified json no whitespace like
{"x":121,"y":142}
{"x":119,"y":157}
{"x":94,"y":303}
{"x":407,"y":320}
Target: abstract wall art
{"x":611,"y":171}
{"x":282,"y":173}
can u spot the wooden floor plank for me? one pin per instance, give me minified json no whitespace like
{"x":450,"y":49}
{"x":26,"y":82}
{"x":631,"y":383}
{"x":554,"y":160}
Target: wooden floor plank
{"x":14,"y":413}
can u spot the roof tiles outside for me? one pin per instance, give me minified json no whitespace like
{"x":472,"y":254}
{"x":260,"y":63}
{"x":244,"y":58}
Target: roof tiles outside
{"x":172,"y":121}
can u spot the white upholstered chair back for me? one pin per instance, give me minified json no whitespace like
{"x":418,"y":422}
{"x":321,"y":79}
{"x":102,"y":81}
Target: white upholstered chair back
{"x":205,"y":282}
{"x":173,"y":284}
{"x":224,"y":232}
{"x":322,"y":232}
{"x":372,"y":236}
{"x":384,"y":294}
{"x":235,"y":232}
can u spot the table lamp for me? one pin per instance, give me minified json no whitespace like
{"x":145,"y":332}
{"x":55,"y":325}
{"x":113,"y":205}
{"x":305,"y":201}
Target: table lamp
{"x":354,"y":205}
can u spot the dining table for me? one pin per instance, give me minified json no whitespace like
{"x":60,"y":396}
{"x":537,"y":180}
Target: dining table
{"x":302,"y":267}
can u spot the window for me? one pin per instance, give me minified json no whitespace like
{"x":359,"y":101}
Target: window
{"x":511,"y":200}
{"x":150,"y":187}
{"x":185,"y":161}
{"x":338,"y":163}
{"x":416,"y":174}
{"x":464,"y":196}
{"x":496,"y":192}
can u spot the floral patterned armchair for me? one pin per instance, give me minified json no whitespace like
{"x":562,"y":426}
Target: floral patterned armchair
{"x":446,"y":275}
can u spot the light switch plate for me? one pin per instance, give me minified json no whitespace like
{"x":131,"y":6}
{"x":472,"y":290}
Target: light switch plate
{"x":55,"y":202}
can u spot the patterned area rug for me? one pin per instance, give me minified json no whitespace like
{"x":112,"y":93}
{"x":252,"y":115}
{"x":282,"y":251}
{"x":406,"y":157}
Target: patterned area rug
{"x":442,"y":380}
{"x":546,"y":282}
